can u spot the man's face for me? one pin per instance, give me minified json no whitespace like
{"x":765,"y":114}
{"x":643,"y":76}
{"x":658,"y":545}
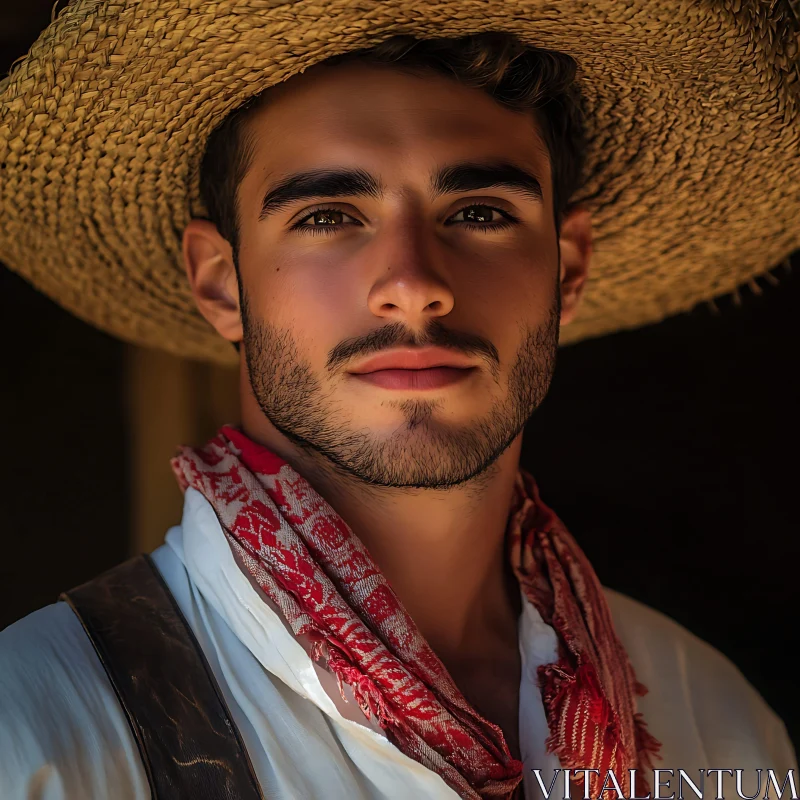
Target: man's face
{"x":393,"y":262}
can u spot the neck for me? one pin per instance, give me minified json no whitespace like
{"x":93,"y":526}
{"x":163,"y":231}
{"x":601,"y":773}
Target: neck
{"x":442,"y":551}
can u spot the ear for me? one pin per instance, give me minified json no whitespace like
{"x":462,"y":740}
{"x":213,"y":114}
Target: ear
{"x":208,"y":260}
{"x":576,"y":255}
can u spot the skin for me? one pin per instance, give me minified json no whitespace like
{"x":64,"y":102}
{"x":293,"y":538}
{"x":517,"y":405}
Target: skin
{"x":424,"y":478}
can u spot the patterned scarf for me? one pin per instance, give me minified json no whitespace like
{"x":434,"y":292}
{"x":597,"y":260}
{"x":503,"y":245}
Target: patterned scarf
{"x":326,"y":585}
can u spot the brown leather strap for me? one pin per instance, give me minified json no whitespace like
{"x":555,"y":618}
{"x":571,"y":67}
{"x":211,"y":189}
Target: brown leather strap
{"x":189,"y":744}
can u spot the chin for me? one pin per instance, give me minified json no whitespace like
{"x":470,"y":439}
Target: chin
{"x":410,"y":413}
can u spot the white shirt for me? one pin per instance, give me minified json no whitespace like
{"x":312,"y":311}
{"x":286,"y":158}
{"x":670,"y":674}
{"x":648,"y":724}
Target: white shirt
{"x":64,"y":735}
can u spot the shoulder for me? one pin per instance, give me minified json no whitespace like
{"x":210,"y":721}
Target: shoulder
{"x":62,"y":730}
{"x":699,"y":704}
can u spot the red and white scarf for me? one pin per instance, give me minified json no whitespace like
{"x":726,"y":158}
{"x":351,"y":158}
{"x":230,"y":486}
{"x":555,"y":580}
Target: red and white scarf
{"x":320,"y":575}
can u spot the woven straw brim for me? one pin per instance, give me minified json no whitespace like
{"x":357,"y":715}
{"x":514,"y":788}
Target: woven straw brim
{"x":692,"y":170}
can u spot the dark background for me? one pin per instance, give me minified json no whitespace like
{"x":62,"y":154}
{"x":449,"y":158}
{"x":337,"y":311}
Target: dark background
{"x":670,"y":452}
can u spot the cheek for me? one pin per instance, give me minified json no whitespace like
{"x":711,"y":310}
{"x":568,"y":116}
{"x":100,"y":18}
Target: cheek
{"x":311,"y":300}
{"x":515,"y":294}
{"x":317,"y":275}
{"x":518,"y":288}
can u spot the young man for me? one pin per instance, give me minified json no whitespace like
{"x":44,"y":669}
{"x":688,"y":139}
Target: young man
{"x":384,"y":605}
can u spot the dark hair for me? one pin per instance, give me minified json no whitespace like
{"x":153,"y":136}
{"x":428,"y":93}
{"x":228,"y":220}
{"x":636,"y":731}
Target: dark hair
{"x":523,"y":78}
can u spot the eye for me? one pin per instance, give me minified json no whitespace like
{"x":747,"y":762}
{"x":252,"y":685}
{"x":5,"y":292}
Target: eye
{"x":476,"y":217}
{"x":483,"y":217}
{"x":325,"y":221}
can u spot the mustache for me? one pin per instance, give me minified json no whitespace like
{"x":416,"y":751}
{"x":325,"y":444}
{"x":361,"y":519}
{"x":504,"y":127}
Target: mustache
{"x":396,"y":334}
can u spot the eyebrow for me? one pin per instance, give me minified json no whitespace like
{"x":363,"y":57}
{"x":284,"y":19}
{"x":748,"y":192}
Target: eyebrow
{"x":464,"y":177}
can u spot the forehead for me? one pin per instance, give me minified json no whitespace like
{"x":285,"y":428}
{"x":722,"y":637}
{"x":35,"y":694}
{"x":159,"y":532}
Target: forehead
{"x":375,"y":114}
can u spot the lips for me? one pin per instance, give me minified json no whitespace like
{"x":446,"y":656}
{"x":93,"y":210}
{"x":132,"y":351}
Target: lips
{"x":414,"y":369}
{"x":414,"y":359}
{"x":416,"y":379}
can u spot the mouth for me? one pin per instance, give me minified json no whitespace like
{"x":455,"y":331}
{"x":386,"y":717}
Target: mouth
{"x":415,"y":369}
{"x":415,"y":379}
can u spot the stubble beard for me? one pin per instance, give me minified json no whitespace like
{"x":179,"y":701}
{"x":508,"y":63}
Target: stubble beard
{"x":422,"y":452}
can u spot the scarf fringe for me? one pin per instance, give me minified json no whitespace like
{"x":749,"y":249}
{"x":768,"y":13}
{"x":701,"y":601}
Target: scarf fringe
{"x":573,"y":699}
{"x":646,"y":744}
{"x":366,"y":694}
{"x":500,"y":785}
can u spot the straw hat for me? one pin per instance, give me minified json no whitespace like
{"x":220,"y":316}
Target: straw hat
{"x":693,"y":168}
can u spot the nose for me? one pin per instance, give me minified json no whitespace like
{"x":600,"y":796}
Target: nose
{"x":408,"y":289}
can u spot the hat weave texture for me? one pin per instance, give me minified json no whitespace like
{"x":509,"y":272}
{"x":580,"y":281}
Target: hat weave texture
{"x":693,"y":125}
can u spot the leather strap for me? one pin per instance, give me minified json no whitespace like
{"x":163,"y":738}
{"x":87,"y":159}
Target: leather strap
{"x":189,"y":744}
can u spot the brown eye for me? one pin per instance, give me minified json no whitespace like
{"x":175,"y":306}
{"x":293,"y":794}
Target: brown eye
{"x":477,"y":214}
{"x":324,"y":220}
{"x":483,"y":217}
{"x":326,"y":217}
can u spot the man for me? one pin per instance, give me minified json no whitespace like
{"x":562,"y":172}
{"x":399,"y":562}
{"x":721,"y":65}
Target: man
{"x":390,"y":240}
